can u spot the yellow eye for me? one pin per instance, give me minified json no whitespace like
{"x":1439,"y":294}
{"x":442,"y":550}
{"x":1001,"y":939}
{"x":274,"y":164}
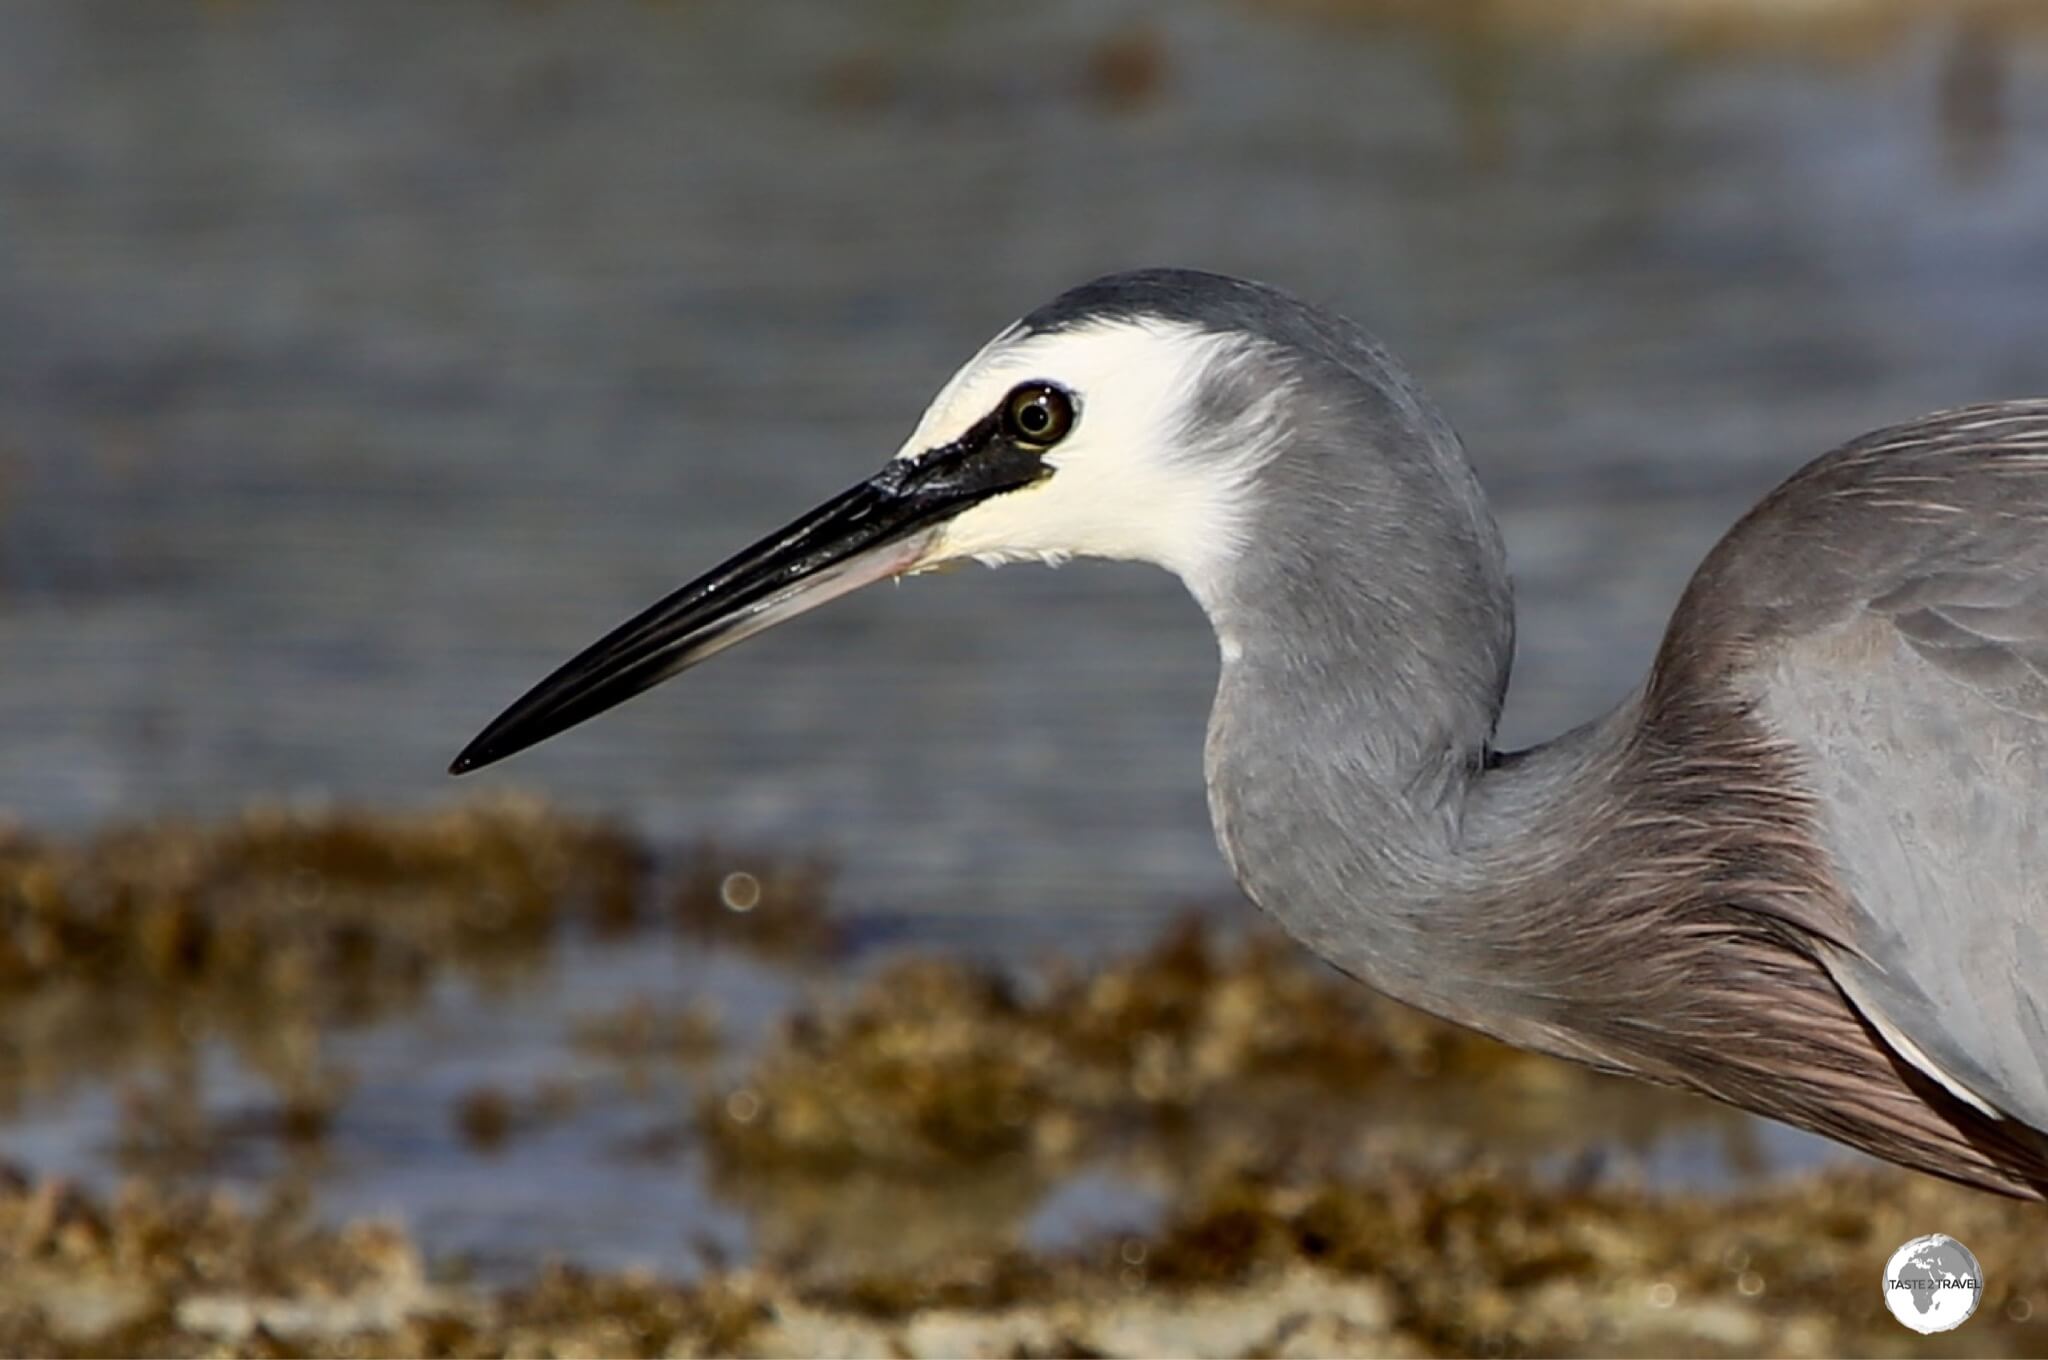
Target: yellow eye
{"x":1038,"y":414}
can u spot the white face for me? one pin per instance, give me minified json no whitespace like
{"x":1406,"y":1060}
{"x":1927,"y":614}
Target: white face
{"x":1142,"y":472}
{"x":1124,"y":483}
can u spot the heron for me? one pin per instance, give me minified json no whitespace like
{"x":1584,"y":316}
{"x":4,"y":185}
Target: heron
{"x":1800,"y":868}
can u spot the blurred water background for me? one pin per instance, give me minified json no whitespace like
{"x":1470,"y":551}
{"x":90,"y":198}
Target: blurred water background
{"x":360,"y":363}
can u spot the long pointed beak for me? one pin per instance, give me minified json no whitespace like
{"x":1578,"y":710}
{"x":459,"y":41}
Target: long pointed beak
{"x":881,"y":528}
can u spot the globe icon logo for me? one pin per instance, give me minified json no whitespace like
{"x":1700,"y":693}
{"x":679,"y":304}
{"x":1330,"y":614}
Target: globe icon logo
{"x":1932,"y":1283}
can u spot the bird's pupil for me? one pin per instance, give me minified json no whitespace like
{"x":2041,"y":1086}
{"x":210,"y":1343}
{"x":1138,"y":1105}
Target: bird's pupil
{"x":1037,"y":414}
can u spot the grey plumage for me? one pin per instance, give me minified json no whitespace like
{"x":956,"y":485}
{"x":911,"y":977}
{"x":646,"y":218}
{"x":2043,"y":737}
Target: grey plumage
{"x":1797,"y":869}
{"x":1807,"y":839}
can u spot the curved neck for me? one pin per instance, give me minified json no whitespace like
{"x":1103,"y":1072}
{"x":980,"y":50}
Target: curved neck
{"x":1366,"y":650}
{"x":1355,"y":793}
{"x":1644,"y":894}
{"x":1367,"y":630}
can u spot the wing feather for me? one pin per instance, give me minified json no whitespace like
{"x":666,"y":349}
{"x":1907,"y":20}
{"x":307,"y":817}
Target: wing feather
{"x":1887,"y":609}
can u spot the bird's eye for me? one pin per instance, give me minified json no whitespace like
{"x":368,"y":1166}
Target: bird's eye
{"x":1038,"y":414}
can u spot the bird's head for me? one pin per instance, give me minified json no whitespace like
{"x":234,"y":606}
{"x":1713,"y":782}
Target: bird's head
{"x":1128,"y":418}
{"x":1124,"y":435}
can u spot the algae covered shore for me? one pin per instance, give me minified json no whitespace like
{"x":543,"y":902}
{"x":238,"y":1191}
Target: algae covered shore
{"x":1327,"y":1173}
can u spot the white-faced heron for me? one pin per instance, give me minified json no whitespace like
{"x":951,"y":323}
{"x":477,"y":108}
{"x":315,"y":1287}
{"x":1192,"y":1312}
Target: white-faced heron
{"x":1802,"y":868}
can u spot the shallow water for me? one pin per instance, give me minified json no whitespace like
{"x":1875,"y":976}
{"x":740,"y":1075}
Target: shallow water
{"x":361,"y":365}
{"x":599,"y":1159}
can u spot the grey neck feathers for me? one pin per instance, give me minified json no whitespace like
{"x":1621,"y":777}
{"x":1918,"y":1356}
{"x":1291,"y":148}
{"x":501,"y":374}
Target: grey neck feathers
{"x":1367,"y":637}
